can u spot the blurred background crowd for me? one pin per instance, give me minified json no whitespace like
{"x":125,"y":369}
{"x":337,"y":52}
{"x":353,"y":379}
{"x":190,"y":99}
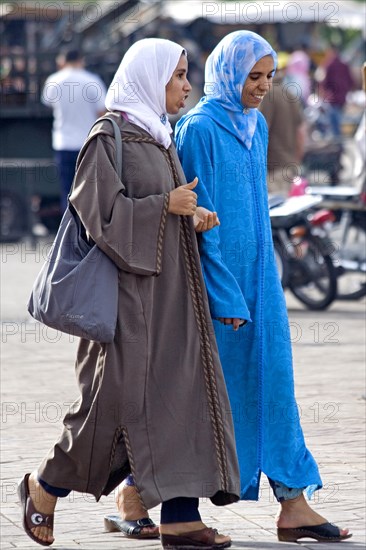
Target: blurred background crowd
{"x":313,"y":38}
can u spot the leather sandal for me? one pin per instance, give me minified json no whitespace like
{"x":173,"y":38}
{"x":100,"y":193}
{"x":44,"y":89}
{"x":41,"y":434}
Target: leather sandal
{"x":130,"y":528}
{"x":204,"y":538}
{"x":30,"y":515}
{"x":326,"y":532}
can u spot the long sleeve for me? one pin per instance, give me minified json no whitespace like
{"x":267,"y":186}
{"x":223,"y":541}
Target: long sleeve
{"x":129,"y":230}
{"x":225,"y":296}
{"x":48,"y":94}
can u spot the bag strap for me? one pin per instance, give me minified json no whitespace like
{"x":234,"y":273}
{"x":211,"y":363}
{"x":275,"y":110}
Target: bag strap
{"x":118,"y":140}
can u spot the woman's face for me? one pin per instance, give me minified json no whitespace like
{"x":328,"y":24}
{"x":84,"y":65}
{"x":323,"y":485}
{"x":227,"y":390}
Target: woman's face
{"x":258,"y":83}
{"x":178,"y":87}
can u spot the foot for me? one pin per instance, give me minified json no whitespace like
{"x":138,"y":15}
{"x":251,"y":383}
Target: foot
{"x":131,"y":509}
{"x":44,"y":503}
{"x":182,"y":528}
{"x":297,"y":513}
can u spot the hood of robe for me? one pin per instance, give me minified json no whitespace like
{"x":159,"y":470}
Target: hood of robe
{"x":226,"y":71}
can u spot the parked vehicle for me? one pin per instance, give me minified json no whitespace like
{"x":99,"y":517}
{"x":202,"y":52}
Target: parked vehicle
{"x":32,"y":36}
{"x":28,"y":179}
{"x":348,"y":232}
{"x":303,"y":250}
{"x":29,"y":195}
{"x":323,"y":152}
{"x":348,"y":235}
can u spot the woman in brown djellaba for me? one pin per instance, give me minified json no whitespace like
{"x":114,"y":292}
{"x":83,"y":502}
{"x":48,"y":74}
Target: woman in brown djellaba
{"x":153,"y":402}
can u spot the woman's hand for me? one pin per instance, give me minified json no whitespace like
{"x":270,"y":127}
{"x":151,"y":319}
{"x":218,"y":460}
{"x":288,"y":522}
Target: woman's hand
{"x":183,"y":201}
{"x":204,"y":220}
{"x":232,"y":321}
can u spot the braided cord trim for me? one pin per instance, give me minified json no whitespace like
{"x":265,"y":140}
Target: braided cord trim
{"x":132,"y":463}
{"x":122,"y":430}
{"x":206,"y":354}
{"x":199,"y":310}
{"x":114,"y":446}
{"x":161,"y":234}
{"x":159,"y":246}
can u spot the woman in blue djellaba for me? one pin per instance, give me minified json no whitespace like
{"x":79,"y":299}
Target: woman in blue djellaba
{"x":223,"y":141}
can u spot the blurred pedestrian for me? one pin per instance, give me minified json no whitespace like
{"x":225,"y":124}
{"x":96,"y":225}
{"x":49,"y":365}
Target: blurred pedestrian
{"x":335,"y":85}
{"x":223,"y":141}
{"x":153,"y":402}
{"x":298,"y":75}
{"x":283,"y":111}
{"x":76,"y":97}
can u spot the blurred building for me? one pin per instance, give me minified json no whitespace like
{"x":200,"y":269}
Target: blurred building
{"x":34,"y":33}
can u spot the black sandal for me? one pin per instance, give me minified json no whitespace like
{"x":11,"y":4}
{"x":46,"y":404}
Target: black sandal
{"x":130,"y":529}
{"x":326,"y":532}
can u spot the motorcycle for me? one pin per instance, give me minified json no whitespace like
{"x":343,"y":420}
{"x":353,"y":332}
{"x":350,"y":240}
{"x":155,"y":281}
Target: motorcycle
{"x":303,"y":250}
{"x":348,"y":234}
{"x":323,"y":152}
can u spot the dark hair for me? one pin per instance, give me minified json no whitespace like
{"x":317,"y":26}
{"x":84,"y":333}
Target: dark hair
{"x":72,"y":55}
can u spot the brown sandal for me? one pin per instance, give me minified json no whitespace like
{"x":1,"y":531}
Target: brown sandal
{"x":204,"y":538}
{"x":30,"y":515}
{"x":326,"y":532}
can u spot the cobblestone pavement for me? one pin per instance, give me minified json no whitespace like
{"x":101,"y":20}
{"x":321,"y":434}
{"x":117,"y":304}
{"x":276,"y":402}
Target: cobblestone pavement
{"x":38,"y":386}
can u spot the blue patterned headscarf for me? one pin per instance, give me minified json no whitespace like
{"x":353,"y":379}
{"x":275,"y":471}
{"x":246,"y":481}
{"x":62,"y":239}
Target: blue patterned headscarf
{"x":226,"y":71}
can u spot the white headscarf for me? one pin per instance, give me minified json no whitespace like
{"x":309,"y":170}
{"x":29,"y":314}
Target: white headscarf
{"x":138,"y":87}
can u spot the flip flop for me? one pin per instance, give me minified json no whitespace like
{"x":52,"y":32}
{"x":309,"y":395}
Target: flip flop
{"x":30,"y":515}
{"x":130,"y":529}
{"x":326,"y":532}
{"x":203,"y":538}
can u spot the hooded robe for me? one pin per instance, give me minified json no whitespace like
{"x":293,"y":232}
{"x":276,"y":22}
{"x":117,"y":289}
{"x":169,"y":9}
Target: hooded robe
{"x":225,"y":146}
{"x":153,"y":402}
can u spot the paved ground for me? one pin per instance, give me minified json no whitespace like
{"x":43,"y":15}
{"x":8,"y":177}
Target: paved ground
{"x":38,"y":386}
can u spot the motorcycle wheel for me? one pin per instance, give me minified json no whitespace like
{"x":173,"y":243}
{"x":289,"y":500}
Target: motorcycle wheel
{"x":313,"y":276}
{"x":352,"y":258}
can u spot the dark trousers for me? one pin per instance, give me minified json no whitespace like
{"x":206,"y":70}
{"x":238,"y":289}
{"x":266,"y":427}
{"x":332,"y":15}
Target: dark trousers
{"x":66,"y":162}
{"x":179,"y":510}
{"x":175,"y":510}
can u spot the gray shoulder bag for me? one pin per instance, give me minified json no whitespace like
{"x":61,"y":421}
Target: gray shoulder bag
{"x":76,"y":290}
